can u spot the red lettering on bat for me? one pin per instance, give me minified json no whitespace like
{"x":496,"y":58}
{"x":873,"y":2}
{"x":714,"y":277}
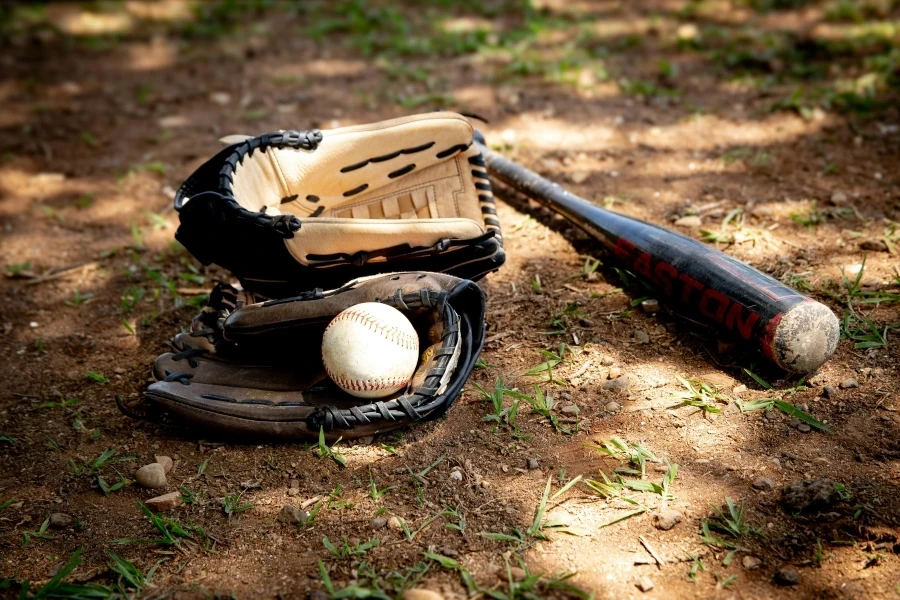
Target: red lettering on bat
{"x":721,"y":304}
{"x":689,"y":284}
{"x":642,"y":266}
{"x":736,"y":321}
{"x":624,"y":249}
{"x":665,"y":275}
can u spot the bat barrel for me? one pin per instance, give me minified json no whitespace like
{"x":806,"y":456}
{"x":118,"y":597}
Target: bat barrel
{"x":792,"y":330}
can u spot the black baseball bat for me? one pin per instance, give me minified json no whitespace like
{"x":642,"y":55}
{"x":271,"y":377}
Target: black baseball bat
{"x":792,"y":330}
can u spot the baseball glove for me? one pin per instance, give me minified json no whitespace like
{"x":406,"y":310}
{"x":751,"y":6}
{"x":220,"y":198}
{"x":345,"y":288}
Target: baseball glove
{"x":256,"y":369}
{"x":291,"y":211}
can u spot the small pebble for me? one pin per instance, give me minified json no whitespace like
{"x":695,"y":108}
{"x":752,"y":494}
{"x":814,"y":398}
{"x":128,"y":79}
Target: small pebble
{"x":166,"y":462}
{"x":395,"y":523}
{"x":739,"y":389}
{"x":586,"y":323}
{"x":606,"y":361}
{"x":533,"y":463}
{"x":421,"y":594}
{"x":804,"y":428}
{"x":751,"y":563}
{"x":456,"y":475}
{"x":763,"y":483}
{"x":60,"y":520}
{"x":220,"y":98}
{"x":787,"y":577}
{"x":645,"y":584}
{"x":292,"y":515}
{"x":689,"y":221}
{"x":849,"y":383}
{"x":378,"y":523}
{"x":809,"y":495}
{"x":151,"y":476}
{"x":641,"y":337}
{"x":612,"y":407}
{"x":614,"y":373}
{"x":667,"y":518}
{"x":617,"y":385}
{"x":579,"y":177}
{"x":164,"y":502}
{"x":650,"y":306}
{"x":838,"y":197}
{"x":570,"y":409}
{"x":829,"y":392}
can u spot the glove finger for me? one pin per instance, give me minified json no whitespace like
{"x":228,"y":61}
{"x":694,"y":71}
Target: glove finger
{"x":281,"y":317}
{"x":228,"y":373}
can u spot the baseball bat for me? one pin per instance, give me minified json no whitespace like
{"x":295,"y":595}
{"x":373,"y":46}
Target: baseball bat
{"x":792,"y":330}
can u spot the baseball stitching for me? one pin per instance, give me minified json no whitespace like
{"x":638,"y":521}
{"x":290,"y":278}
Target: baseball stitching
{"x":402,"y":339}
{"x":368,"y":385}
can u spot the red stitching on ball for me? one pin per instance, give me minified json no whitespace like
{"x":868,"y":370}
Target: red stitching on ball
{"x":358,"y":385}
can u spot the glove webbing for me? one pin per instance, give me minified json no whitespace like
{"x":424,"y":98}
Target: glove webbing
{"x":285,"y":225}
{"x":305,"y":140}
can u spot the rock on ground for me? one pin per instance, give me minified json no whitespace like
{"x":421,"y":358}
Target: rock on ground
{"x":421,"y":594}
{"x":787,"y":577}
{"x":291,"y":515}
{"x":751,"y":563}
{"x":763,"y":483}
{"x":645,"y":584}
{"x":164,"y":502}
{"x":666,"y":519}
{"x":60,"y":520}
{"x":811,"y":494}
{"x":152,"y":476}
{"x":166,"y":462}
{"x":619,"y":384}
{"x":689,"y":221}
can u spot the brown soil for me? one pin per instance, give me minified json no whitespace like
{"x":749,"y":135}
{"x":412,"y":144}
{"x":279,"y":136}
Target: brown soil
{"x":99,"y":122}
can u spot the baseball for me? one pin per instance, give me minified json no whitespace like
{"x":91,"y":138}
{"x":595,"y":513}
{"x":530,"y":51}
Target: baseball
{"x":370,"y":350}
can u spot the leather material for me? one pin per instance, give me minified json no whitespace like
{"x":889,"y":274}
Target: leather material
{"x":255,"y":371}
{"x":292,"y":211}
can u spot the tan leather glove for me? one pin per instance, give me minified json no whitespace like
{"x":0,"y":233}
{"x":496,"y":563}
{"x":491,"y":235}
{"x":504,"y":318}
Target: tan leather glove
{"x":297,"y":210}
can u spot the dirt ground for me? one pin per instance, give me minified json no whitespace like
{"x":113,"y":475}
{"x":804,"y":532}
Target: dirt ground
{"x":774,"y":124}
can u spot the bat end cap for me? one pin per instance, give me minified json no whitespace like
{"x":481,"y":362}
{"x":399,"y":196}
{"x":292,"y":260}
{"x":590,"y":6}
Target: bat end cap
{"x":806,"y":337}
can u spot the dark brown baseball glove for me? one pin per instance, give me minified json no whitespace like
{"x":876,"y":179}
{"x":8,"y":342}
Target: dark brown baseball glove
{"x":255,"y":368}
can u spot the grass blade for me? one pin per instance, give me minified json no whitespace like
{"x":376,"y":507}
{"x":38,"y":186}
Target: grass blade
{"x":807,"y":418}
{"x":620,"y":518}
{"x":566,"y":487}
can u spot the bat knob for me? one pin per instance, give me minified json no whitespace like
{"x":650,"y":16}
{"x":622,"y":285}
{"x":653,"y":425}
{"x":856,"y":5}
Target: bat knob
{"x":805,"y":337}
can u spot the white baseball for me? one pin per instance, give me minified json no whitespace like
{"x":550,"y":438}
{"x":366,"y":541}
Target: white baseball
{"x":370,"y":350}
